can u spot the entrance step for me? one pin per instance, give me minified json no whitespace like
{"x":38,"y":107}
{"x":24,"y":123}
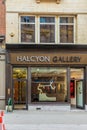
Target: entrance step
{"x":49,"y":107}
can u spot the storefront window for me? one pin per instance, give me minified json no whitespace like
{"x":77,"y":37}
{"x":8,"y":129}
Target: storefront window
{"x":47,"y":29}
{"x":48,"y":84}
{"x":27,"y":29}
{"x":19,"y":73}
{"x":19,"y":87}
{"x":66,"y":29}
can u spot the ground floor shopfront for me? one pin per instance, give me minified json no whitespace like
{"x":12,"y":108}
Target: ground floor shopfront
{"x":39,"y":76}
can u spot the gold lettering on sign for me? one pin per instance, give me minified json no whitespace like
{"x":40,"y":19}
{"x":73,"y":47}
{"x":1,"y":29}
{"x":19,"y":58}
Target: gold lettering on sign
{"x":67,"y":59}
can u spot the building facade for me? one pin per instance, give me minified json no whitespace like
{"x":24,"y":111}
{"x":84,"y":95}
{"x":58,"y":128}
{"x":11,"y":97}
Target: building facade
{"x":2,"y":54}
{"x":46,"y":50}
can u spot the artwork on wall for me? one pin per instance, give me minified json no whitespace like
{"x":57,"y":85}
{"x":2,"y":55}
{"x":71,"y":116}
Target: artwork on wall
{"x":72,"y":88}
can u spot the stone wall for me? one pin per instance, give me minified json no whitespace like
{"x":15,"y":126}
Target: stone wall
{"x":15,"y":8}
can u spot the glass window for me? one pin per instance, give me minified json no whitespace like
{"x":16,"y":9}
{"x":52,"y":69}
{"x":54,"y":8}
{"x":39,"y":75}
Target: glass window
{"x":66,"y":20}
{"x":27,"y":29}
{"x":47,"y":29}
{"x":28,"y":19}
{"x":47,"y":20}
{"x":48,"y":84}
{"x":19,"y":73}
{"x":66,"y":30}
{"x":76,"y":87}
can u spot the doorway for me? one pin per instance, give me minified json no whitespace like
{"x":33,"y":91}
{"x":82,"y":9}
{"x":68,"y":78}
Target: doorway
{"x":20,"y":88}
{"x":77,"y":88}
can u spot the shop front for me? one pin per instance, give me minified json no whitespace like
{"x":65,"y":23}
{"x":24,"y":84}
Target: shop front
{"x":43,"y":75}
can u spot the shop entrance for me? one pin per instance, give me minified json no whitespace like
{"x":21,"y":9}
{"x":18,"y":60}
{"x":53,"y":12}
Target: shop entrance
{"x":19,"y":88}
{"x":76,"y":88}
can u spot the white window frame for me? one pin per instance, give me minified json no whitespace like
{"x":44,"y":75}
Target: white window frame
{"x":74,"y":21}
{"x":26,"y":23}
{"x":57,"y":28}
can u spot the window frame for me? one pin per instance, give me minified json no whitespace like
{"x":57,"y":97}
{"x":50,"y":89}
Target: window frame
{"x":73,"y":24}
{"x":56,"y":26}
{"x":27,"y":23}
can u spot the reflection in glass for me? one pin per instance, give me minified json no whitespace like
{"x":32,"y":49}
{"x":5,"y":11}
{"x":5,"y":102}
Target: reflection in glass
{"x":47,"y":20}
{"x":47,"y":33}
{"x":66,"y":33}
{"x":48,"y":84}
{"x":66,"y":29}
{"x":28,"y":19}
{"x":27,"y":33}
{"x":47,"y":29}
{"x":66,"y":20}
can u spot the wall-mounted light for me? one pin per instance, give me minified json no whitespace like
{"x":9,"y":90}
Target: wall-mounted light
{"x":12,"y":34}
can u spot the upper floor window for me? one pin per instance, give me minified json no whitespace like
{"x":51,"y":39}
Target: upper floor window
{"x":27,"y":29}
{"x":66,"y":29}
{"x":47,"y":29}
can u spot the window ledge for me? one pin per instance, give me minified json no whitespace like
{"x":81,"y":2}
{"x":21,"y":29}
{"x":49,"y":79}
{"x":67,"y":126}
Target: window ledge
{"x":57,"y":1}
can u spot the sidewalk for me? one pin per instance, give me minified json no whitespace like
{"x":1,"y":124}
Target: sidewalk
{"x":46,"y":120}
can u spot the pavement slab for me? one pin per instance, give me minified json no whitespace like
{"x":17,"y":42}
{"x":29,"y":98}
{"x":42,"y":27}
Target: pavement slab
{"x":46,"y":120}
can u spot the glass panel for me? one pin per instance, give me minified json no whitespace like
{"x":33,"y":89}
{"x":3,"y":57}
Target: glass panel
{"x":66,"y":20}
{"x":28,"y":19}
{"x":48,"y":84}
{"x":47,"y":20}
{"x":66,"y":33}
{"x":77,"y":75}
{"x":19,"y":73}
{"x":27,"y":33}
{"x":79,"y":85}
{"x":19,"y":92}
{"x":47,"y":33}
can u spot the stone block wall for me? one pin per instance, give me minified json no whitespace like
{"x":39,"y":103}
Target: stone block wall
{"x":77,"y":8}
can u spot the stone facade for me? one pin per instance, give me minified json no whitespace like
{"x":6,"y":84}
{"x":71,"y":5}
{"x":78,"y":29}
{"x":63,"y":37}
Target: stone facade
{"x":57,"y":8}
{"x":77,"y":8}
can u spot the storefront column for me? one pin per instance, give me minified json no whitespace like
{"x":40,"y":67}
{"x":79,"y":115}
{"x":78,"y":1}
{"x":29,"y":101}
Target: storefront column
{"x":29,"y":85}
{"x":68,"y":84}
{"x":2,"y":80}
{"x":86,"y":86}
{"x":9,"y":89}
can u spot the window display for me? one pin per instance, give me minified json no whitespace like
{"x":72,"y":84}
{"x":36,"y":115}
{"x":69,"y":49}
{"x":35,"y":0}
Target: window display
{"x":48,"y":84}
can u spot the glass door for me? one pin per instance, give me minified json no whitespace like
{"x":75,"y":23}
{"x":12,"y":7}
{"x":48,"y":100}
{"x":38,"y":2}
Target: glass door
{"x":76,"y":87}
{"x":20,"y":88}
{"x":79,"y":93}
